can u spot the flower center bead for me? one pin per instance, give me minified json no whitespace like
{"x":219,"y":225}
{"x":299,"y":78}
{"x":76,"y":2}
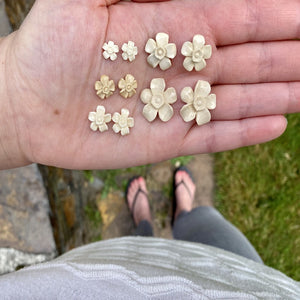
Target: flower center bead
{"x":197,"y":55}
{"x":128,"y":87}
{"x":157,"y":101}
{"x":123,"y":121}
{"x":199,"y":103}
{"x":160,"y":52}
{"x":110,"y":50}
{"x":99,"y":120}
{"x":105,"y":90}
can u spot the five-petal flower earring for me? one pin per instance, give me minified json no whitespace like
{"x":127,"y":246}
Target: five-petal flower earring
{"x":122,"y":122}
{"x":129,"y":51}
{"x":158,"y":100}
{"x":196,"y":53}
{"x":105,"y":87}
{"x":198,"y":103}
{"x":127,"y":86}
{"x":99,"y":119}
{"x":110,"y":50}
{"x":161,"y":51}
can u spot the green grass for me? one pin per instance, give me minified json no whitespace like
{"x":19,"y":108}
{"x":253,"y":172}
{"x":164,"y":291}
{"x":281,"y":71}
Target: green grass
{"x":116,"y":179}
{"x":93,"y":216}
{"x":258,"y":190}
{"x":182,"y":160}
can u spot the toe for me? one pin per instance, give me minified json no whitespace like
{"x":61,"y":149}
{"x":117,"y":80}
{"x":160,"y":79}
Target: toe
{"x":184,"y":191}
{"x":135,"y":185}
{"x":132,"y":190}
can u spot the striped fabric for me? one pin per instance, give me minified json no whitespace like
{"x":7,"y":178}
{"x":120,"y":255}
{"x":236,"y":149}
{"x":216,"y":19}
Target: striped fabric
{"x":148,"y":268}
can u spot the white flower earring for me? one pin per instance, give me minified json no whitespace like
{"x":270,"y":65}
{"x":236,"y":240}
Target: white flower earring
{"x":161,"y":51}
{"x":110,"y":50}
{"x":122,"y":122}
{"x":99,"y":119}
{"x":196,"y":53}
{"x":129,"y":51}
{"x":158,"y":100}
{"x":198,"y":103}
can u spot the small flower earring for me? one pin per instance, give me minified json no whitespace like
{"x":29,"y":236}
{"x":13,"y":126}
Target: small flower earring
{"x":105,"y":87}
{"x":99,"y":119}
{"x":122,"y":122}
{"x":110,"y":50}
{"x":127,"y":86}
{"x":129,"y":51}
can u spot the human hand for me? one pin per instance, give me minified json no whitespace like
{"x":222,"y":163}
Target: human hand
{"x":55,"y":58}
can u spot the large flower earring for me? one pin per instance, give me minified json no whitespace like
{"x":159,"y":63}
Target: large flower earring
{"x":161,"y":51}
{"x":198,"y":103}
{"x":196,"y":53}
{"x":158,"y":100}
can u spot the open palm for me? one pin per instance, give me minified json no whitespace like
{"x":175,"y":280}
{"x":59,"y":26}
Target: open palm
{"x":56,"y":59}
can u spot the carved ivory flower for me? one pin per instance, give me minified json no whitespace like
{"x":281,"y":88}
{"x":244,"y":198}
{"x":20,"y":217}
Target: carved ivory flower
{"x":104,"y":87}
{"x":196,"y":53}
{"x":198,"y":103}
{"x":110,"y":50}
{"x":122,"y":122}
{"x":158,"y":100}
{"x":99,"y":119}
{"x":127,"y":86}
{"x":129,"y":51}
{"x":161,"y":52}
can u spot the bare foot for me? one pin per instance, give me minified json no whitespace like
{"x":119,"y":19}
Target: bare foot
{"x":185,"y":192}
{"x":137,"y":192}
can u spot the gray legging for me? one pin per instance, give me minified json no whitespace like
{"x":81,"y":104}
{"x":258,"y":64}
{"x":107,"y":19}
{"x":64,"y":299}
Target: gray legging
{"x":206,"y":225}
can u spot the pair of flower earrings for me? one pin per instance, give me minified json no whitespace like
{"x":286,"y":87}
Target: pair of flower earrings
{"x":99,"y":120}
{"x":106,"y":86}
{"x":158,"y":101}
{"x":161,"y":52}
{"x":110,"y":50}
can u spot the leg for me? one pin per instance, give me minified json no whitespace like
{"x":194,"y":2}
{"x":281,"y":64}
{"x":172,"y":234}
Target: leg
{"x":205,"y":224}
{"x":138,"y":204}
{"x":144,"y":228}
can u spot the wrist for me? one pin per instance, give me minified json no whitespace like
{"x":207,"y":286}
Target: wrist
{"x":11,"y":154}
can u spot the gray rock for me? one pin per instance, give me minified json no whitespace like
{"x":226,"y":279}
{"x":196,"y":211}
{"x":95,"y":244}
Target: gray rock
{"x":97,"y":184}
{"x":24,"y":212}
{"x":5,"y":27}
{"x":11,"y":259}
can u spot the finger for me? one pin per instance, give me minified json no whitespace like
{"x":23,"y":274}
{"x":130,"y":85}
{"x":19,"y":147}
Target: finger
{"x":235,"y":102}
{"x":226,"y":135}
{"x":107,"y":2}
{"x":235,"y":22}
{"x":258,"y":62}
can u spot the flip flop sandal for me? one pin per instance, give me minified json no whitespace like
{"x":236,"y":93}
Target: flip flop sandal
{"x":175,"y":186}
{"x":135,"y":196}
